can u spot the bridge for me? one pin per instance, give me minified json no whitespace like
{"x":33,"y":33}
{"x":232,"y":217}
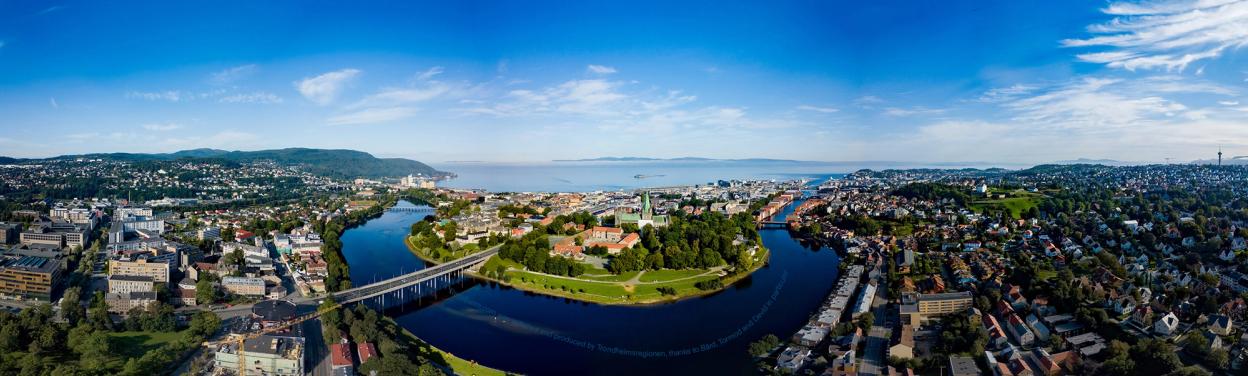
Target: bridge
{"x":418,"y":282}
{"x":773,"y":224}
{"x":409,"y":209}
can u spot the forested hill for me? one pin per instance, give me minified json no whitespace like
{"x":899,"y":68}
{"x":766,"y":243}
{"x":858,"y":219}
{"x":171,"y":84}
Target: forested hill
{"x":337,"y":163}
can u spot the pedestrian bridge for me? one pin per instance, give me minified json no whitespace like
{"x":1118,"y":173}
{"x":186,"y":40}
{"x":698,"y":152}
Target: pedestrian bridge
{"x":417,"y":282}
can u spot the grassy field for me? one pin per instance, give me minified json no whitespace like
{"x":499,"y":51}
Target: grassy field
{"x":667,"y":275}
{"x":615,"y":289}
{"x":1018,"y":202}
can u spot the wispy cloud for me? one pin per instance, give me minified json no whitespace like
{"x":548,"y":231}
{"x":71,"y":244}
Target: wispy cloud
{"x":1169,"y":35}
{"x":913,"y":111}
{"x":372,"y":115}
{"x":159,"y":127}
{"x":600,"y":69}
{"x":230,"y":75}
{"x":323,"y":89}
{"x":167,"y":95}
{"x":429,"y":74}
{"x":50,"y":10}
{"x":258,"y":97}
{"x":826,"y":110}
{"x":52,"y":102}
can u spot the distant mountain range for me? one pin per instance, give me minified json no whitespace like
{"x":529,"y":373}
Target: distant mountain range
{"x":336,"y":163}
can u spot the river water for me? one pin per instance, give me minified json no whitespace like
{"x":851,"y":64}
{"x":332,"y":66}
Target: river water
{"x":532,"y":334}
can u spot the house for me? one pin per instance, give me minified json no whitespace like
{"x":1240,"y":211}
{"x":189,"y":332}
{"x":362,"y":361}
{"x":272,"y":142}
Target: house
{"x":793,"y":358}
{"x":342,"y":362}
{"x":1020,"y":330}
{"x":1220,"y":325}
{"x":1166,"y":325}
{"x":904,"y":348}
{"x":963,"y":366}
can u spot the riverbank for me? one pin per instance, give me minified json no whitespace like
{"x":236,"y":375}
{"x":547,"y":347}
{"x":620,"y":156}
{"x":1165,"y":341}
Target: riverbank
{"x":455,"y":364}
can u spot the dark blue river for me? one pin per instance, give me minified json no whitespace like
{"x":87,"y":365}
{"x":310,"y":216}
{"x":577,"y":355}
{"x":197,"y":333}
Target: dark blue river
{"x":532,"y":334}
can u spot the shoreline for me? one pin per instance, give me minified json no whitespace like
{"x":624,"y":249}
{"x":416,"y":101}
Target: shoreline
{"x":727,"y":282}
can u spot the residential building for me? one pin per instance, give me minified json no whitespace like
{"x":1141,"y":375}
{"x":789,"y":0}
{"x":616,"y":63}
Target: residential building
{"x":926,"y":306}
{"x":342,"y":362}
{"x":245,"y":286}
{"x":125,"y":284}
{"x":10,"y":232}
{"x":122,"y":303}
{"x":963,"y":366}
{"x":140,"y":265}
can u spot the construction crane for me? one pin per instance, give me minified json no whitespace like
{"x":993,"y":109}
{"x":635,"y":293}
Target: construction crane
{"x":238,"y":338}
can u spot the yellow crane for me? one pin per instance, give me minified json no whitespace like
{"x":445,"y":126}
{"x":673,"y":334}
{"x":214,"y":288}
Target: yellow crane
{"x":239,"y":338}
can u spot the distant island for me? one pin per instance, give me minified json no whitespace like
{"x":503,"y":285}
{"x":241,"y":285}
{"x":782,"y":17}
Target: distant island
{"x":334,"y":163}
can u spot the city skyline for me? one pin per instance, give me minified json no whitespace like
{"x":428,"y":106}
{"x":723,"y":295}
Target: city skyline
{"x":954,"y":82}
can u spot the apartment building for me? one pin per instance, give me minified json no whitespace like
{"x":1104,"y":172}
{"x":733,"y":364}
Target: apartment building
{"x":141,"y":265}
{"x":125,"y":284}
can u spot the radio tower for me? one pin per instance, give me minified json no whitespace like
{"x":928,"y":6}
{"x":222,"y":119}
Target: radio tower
{"x":1219,"y":155}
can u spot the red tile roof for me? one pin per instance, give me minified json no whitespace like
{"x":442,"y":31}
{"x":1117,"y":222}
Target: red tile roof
{"x":366,"y":351}
{"x":341,"y":355}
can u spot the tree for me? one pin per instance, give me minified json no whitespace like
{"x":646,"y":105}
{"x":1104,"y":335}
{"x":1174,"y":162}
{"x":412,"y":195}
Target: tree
{"x":1154,"y":357}
{"x":1196,"y":344}
{"x":1219,"y":358}
{"x":205,"y":290}
{"x":71,"y":305}
{"x":96,"y":346}
{"x":204,"y":324}
{"x":764,"y":345}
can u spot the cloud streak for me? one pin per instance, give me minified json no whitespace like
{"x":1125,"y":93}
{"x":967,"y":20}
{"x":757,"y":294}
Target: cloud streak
{"x":324,"y":89}
{"x":1165,"y":35}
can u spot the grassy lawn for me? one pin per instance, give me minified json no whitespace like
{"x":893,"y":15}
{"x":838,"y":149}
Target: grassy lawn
{"x":607,"y":277}
{"x":609,"y":289}
{"x":1045,"y":275}
{"x":135,"y":344}
{"x":667,"y":275}
{"x":1018,"y":202}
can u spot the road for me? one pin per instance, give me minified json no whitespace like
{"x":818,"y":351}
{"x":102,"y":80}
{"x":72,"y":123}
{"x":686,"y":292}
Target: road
{"x":876,"y":349}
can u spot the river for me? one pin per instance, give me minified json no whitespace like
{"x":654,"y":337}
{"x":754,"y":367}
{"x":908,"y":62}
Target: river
{"x":533,"y":334}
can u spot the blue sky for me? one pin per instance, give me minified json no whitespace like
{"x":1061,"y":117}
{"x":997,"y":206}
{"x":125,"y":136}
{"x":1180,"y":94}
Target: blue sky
{"x":948,"y":81}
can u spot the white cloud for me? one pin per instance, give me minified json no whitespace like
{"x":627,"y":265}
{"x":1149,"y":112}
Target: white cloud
{"x":429,"y":74}
{"x":600,"y":69}
{"x":323,"y":89}
{"x":156,"y":127}
{"x":1097,"y":102}
{"x":258,"y":97}
{"x":1229,"y":103}
{"x":372,"y":115}
{"x":1169,"y":35}
{"x":52,"y":102}
{"x":394,"y":96}
{"x":231,"y":75}
{"x":826,"y":110}
{"x":167,"y":95}
{"x":913,"y":111}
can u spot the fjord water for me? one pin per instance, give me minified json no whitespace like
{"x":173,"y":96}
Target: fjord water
{"x":609,"y":176}
{"x":521,"y":332}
